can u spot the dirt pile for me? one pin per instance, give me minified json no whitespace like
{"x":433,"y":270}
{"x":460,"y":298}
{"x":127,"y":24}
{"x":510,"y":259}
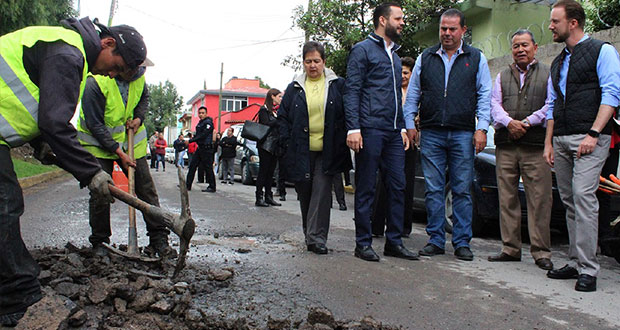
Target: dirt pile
{"x":86,"y":291}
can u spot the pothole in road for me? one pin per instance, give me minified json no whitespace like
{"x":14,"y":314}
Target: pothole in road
{"x":235,"y":247}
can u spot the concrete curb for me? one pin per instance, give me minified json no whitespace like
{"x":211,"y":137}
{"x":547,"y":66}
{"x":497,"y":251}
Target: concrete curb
{"x":40,"y":178}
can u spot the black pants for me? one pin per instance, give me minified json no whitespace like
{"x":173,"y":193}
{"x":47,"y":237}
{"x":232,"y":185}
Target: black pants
{"x":153,"y":158}
{"x":605,"y":215}
{"x":99,"y":210}
{"x":202,"y":157}
{"x":339,"y":189}
{"x":379,"y":212}
{"x":19,"y":287}
{"x":266,"y":168}
{"x":281,"y":177}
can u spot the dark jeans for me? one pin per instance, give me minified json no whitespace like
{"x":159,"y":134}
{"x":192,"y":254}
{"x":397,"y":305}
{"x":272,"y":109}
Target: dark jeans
{"x":380,"y":208}
{"x":381,"y":149}
{"x":19,"y":287}
{"x":265,"y":170}
{"x":162,"y":159}
{"x":99,"y":210}
{"x":202,"y":157}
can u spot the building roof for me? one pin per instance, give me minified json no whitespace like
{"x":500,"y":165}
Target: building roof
{"x":234,"y":87}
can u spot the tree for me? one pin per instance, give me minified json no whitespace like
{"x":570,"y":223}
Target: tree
{"x":602,"y":14}
{"x":17,"y":14}
{"x":340,"y":24}
{"x":261,"y":83}
{"x":164,"y":106}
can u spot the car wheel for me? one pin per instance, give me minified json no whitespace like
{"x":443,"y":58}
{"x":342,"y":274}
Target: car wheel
{"x":246,"y":176}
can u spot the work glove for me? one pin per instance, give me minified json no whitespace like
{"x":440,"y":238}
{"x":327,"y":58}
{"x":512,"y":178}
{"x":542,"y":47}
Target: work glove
{"x":43,"y":153}
{"x":98,"y":186}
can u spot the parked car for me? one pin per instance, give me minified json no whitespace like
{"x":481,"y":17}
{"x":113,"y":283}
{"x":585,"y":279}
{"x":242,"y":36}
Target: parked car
{"x":169,"y":155}
{"x":485,"y":194}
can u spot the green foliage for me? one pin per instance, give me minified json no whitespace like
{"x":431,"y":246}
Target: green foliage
{"x":262,"y":84}
{"x":340,"y":24}
{"x":602,"y":14}
{"x":164,"y":106}
{"x":17,"y":14}
{"x":24,"y":169}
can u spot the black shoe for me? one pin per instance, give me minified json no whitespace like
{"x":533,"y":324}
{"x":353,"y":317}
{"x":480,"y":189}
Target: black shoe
{"x":269,"y":199}
{"x":430,"y":250}
{"x":586,"y":283}
{"x":464,"y":253}
{"x":260,"y":201}
{"x":209,"y":189}
{"x":231,"y":183}
{"x":223,"y":181}
{"x":399,"y":251}
{"x":544,"y":263}
{"x":317,"y":248}
{"x":11,"y":320}
{"x":342,"y":207}
{"x":503,"y":257}
{"x":100,"y":250}
{"x":366,"y":253}
{"x":377,"y":235}
{"x":565,"y":273}
{"x":161,"y":248}
{"x":282,"y":198}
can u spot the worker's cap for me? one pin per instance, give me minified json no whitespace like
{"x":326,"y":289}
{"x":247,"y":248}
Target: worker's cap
{"x":129,"y":43}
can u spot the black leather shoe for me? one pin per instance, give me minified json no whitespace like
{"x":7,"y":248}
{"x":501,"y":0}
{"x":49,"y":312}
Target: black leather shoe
{"x":586,"y":283}
{"x":565,"y":273}
{"x":317,"y":248}
{"x":342,"y":207}
{"x":544,"y":263}
{"x":399,"y":251}
{"x":366,"y":253}
{"x":430,"y":250}
{"x":269,"y":200}
{"x":503,"y":257}
{"x":282,"y":198}
{"x":209,"y":190}
{"x":464,"y":253}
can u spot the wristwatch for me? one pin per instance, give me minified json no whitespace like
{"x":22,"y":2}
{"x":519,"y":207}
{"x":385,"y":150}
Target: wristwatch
{"x":594,"y":133}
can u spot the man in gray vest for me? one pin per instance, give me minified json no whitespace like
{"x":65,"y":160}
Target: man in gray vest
{"x":584,"y":89}
{"x":518,"y":110}
{"x":451,"y":87}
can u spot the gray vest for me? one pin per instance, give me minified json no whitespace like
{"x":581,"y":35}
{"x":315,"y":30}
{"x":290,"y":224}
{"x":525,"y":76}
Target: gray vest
{"x":520,"y":102}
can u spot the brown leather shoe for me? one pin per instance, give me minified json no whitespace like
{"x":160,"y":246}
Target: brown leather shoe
{"x":544,"y":263}
{"x":503,"y":257}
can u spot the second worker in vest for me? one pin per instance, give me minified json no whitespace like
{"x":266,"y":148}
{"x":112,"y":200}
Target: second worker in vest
{"x":110,"y":106}
{"x":518,"y":111}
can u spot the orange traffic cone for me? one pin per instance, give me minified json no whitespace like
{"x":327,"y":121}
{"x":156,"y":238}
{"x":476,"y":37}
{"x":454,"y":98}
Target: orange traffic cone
{"x":120,"y":180}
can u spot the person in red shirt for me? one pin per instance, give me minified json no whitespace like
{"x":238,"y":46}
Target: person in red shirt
{"x":160,"y":152}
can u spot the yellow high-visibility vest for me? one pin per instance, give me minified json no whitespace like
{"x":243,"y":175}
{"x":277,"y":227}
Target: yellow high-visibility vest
{"x":115,"y":117}
{"x":19,"y":96}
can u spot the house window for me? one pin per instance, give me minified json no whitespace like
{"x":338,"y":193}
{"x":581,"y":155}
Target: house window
{"x":234,"y":103}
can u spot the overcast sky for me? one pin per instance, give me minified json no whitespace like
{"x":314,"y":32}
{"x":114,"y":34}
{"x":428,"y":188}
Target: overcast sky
{"x":189,"y":39}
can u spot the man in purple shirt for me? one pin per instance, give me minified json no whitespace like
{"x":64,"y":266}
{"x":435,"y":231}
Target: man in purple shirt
{"x":583,"y":89}
{"x":518,"y":110}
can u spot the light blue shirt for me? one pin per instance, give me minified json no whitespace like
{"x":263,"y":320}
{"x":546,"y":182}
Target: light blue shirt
{"x":607,"y":69}
{"x":483,"y":87}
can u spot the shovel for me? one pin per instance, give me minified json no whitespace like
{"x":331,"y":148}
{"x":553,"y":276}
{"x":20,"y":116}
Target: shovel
{"x":183,"y":225}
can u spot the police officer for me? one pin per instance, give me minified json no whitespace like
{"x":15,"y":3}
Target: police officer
{"x":42,"y":73}
{"x":204,"y":155}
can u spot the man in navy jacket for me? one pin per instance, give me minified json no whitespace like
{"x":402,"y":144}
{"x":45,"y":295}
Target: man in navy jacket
{"x":376,"y":129}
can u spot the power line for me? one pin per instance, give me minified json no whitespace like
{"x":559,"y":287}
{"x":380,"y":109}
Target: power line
{"x":253,"y":44}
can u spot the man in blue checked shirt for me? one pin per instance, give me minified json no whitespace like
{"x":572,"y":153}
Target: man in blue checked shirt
{"x":448,"y":105}
{"x":582,"y":92}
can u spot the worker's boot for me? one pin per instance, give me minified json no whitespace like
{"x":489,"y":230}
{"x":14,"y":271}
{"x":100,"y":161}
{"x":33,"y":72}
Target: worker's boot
{"x":100,"y":250}
{"x":161,"y":248}
{"x":259,"y":200}
{"x":11,"y":320}
{"x":269,"y":199}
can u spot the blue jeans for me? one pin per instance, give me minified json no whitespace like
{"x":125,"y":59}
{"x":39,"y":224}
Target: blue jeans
{"x":453,"y":150}
{"x":385,"y":150}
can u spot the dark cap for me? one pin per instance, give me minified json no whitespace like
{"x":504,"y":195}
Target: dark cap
{"x":129,"y":43}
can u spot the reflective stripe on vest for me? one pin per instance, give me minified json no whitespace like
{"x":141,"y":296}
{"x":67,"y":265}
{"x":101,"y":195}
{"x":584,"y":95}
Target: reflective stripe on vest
{"x":116,"y":115}
{"x":19,"y":96}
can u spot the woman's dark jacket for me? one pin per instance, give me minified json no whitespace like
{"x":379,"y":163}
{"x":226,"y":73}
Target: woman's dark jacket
{"x":267,"y":117}
{"x":294,"y":131}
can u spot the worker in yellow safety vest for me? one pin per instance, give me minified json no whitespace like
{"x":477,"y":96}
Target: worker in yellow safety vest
{"x":111,"y":106}
{"x":42,"y":76}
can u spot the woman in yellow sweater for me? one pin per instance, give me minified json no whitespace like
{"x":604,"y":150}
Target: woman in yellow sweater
{"x":312,"y":127}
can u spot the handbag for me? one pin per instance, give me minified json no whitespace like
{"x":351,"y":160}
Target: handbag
{"x":254,"y":131}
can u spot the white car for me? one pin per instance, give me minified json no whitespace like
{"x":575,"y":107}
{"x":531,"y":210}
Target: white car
{"x":170,"y":155}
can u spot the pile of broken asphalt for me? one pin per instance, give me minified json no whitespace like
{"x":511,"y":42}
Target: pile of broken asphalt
{"x":86,"y":291}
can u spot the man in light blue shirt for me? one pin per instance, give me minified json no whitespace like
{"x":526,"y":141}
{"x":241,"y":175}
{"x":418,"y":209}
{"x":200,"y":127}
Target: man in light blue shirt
{"x":583,"y":90}
{"x":448,"y":105}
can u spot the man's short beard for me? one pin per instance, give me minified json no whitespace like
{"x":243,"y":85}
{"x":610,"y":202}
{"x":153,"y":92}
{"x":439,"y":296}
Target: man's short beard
{"x":391,"y":32}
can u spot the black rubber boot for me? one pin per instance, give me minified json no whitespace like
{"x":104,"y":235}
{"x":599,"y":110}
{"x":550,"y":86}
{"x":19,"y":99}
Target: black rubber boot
{"x":259,"y":200}
{"x":269,"y":199}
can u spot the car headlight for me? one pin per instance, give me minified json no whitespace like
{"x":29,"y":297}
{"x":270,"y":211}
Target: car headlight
{"x":254,"y":159}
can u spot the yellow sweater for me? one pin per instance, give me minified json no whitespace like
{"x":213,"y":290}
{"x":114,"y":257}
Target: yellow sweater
{"x":315,"y":97}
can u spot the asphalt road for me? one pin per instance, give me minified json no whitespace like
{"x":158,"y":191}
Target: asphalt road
{"x":276,"y":276}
